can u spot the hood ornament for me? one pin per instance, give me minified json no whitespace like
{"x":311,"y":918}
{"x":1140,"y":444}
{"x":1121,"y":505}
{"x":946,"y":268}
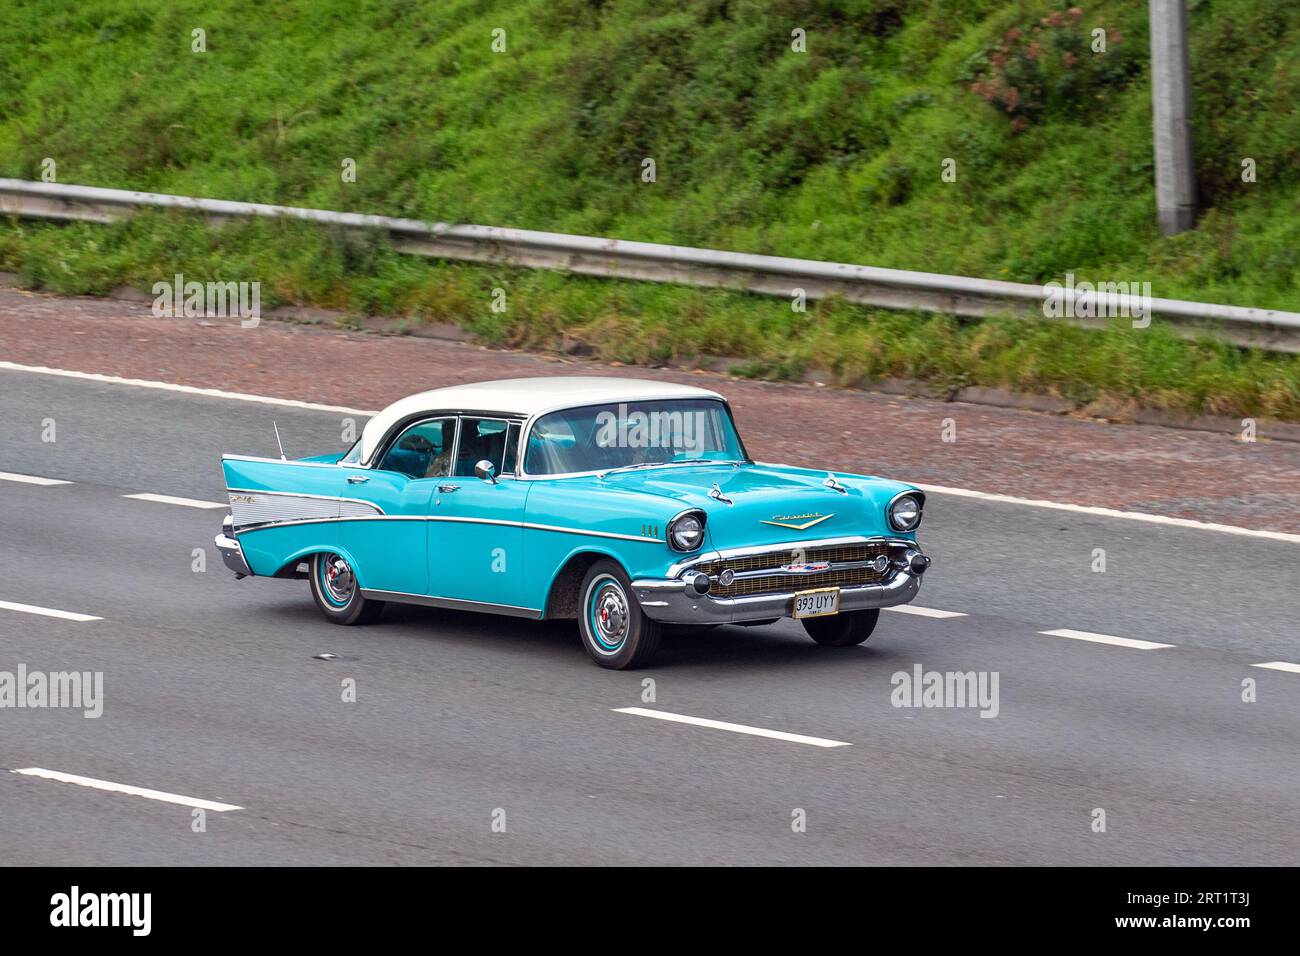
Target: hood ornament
{"x":717,"y":495}
{"x":833,"y":484}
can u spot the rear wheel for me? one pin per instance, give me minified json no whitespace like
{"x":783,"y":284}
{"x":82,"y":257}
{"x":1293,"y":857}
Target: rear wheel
{"x":615,"y":631}
{"x":842,"y":630}
{"x":336,"y":591}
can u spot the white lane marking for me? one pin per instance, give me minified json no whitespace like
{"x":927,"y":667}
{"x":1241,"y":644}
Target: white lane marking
{"x":94,"y":784}
{"x":734,"y":728}
{"x":173,"y":500}
{"x":47,"y":611}
{"x":186,"y":389}
{"x":925,"y":611}
{"x":933,"y":489}
{"x":1280,"y":666}
{"x":1105,"y":639}
{"x":1113,"y":513}
{"x":31,"y":479}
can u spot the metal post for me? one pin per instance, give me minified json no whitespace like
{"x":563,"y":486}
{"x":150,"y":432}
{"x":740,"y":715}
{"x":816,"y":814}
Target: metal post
{"x":1171,"y":117}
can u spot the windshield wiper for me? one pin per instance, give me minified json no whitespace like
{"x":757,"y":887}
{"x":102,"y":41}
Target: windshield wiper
{"x":642,"y":464}
{"x":664,"y":464}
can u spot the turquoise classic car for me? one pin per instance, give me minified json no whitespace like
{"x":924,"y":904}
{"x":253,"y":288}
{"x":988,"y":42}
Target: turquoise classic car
{"x":627,"y":505}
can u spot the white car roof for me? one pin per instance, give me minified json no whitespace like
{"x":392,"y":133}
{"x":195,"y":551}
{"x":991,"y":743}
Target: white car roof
{"x":523,"y":396}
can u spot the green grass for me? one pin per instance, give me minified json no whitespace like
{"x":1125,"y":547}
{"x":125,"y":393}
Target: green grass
{"x":833,"y":154}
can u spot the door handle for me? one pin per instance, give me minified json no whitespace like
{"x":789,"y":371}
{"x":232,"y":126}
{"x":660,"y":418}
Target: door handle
{"x":447,"y":489}
{"x":357,"y":479}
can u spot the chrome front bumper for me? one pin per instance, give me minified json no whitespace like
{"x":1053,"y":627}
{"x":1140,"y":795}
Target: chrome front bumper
{"x":231,"y":553}
{"x":674,"y":601}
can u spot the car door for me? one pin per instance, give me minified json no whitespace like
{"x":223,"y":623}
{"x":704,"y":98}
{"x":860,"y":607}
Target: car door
{"x":391,"y":551}
{"x":476,"y":537}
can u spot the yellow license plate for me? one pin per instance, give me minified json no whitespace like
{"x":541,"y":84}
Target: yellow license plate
{"x":817,"y":603}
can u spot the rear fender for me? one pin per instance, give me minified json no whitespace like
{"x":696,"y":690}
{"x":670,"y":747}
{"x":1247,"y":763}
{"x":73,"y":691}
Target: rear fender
{"x":283,"y":511}
{"x":305,"y":554}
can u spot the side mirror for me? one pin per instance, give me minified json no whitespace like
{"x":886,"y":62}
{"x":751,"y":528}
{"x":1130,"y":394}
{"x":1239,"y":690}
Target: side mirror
{"x":487,"y":471}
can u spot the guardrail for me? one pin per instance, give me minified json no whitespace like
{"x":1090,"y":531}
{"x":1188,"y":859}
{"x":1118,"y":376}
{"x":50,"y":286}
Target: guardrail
{"x":647,"y":261}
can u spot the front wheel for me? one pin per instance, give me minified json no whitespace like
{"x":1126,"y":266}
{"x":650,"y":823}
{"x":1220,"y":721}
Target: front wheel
{"x":615,"y":631}
{"x":842,"y":630}
{"x":336,"y":591}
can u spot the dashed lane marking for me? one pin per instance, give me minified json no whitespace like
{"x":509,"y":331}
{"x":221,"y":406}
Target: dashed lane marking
{"x":173,"y":500}
{"x":185,"y":389}
{"x":925,"y":611}
{"x":1105,"y":639}
{"x":31,"y":479}
{"x":47,"y":611}
{"x":1280,"y":666}
{"x":92,"y":783}
{"x":734,"y":728}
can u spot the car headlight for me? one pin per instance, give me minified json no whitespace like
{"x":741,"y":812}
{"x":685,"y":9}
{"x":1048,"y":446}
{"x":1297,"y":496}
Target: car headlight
{"x":686,"y":531}
{"x":905,"y":512}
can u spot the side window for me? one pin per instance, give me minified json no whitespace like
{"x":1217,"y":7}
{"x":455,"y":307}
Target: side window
{"x":423,"y":450}
{"x":550,"y":444}
{"x":510,"y":464}
{"x":481,"y":439}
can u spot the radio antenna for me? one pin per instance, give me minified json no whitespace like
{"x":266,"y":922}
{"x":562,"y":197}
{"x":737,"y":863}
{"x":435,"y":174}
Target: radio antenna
{"x":277,"y":439}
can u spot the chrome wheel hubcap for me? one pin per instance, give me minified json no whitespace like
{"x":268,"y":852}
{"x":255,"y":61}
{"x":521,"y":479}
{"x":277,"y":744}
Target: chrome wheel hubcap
{"x":339,"y":582}
{"x":609,"y":617}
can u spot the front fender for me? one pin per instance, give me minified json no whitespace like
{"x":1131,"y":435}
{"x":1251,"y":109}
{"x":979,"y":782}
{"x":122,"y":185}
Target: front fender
{"x":574,"y":517}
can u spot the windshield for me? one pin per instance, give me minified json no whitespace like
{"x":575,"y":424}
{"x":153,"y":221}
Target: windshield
{"x":632,"y":434}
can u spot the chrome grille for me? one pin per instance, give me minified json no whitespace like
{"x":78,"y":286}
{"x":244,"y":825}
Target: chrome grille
{"x":776,"y":582}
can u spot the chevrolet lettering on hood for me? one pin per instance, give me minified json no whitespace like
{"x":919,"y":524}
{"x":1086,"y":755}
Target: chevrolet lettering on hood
{"x":627,"y":506}
{"x":789,"y":521}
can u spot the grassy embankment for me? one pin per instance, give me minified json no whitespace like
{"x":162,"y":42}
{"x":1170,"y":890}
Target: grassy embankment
{"x":834,"y":154}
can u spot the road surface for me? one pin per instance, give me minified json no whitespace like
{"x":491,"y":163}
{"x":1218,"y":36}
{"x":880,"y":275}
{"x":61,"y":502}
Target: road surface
{"x":464,"y":725}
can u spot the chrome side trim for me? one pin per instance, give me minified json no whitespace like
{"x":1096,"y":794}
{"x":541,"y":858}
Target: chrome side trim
{"x":591,"y":534}
{"x":245,"y":529}
{"x":303,"y":494}
{"x":251,"y":508}
{"x":283,"y":461}
{"x":456,"y":604}
{"x":290,"y":522}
